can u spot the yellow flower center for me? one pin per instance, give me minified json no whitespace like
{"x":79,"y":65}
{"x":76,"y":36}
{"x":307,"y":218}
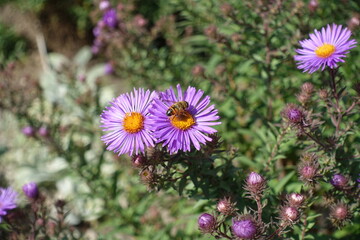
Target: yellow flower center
{"x":324,"y":51}
{"x":133,"y":122}
{"x":182,"y":121}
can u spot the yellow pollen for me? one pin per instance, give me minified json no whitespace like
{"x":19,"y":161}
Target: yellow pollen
{"x":182,"y":121}
{"x":133,"y":122}
{"x":324,"y":51}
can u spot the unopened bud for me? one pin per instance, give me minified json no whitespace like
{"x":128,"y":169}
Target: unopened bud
{"x":354,"y":22}
{"x":220,"y":69}
{"x":206,"y":223}
{"x":226,"y":9}
{"x":198,"y":71}
{"x":313,"y":5}
{"x":295,"y":199}
{"x":323,"y":94}
{"x":139,"y":161}
{"x":293,"y":114}
{"x":28,"y":131}
{"x":340,"y":211}
{"x":226,"y":207}
{"x":245,"y":229}
{"x":290,"y":213}
{"x":307,"y":88}
{"x":211,"y":31}
{"x":307,"y":172}
{"x":31,"y":190}
{"x":339,"y":181}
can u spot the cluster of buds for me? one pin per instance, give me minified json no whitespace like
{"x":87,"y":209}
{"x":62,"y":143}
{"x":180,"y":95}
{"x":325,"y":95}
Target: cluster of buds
{"x":290,"y":212}
{"x":339,"y":214}
{"x":30,"y":131}
{"x":255,"y":185}
{"x":307,"y":90}
{"x":111,"y":27}
{"x":308,"y":169}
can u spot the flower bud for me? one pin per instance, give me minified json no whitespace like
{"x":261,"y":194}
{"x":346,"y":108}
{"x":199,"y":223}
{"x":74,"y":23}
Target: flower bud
{"x":226,"y":207}
{"x":28,"y":131}
{"x":289,"y":213}
{"x":31,"y":190}
{"x":244,"y":229}
{"x":220,"y":69}
{"x":198,"y":71}
{"x":354,"y":21}
{"x":295,"y":199}
{"x":108,"y":69}
{"x":293,"y":114}
{"x":307,"y":88}
{"x":308,"y":172}
{"x":255,"y":184}
{"x":226,"y":9}
{"x":211,"y":32}
{"x":303,"y":98}
{"x":140,"y":21}
{"x":255,"y":179}
{"x":206,"y":223}
{"x":323,"y":94}
{"x":313,"y":5}
{"x":340,"y":211}
{"x":43,"y":131}
{"x":139,"y":161}
{"x":339,"y":181}
{"x":339,"y":214}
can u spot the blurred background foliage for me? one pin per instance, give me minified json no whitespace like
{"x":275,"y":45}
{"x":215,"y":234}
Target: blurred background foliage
{"x":239,"y":52}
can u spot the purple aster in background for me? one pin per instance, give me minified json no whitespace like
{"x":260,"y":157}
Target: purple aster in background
{"x":104,"y":4}
{"x":186,"y":126}
{"x":326,"y":47}
{"x":8,"y":199}
{"x":28,"y":131}
{"x":31,"y":190}
{"x":127,"y":120}
{"x":108,"y":69}
{"x":110,"y":18}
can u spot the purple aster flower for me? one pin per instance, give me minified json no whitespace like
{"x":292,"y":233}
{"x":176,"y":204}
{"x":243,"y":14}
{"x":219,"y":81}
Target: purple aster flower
{"x":324,"y":48}
{"x":245,"y":229}
{"x":127,"y":120}
{"x":31,"y":190}
{"x":110,"y":18}
{"x":8,"y":199}
{"x":181,"y":125}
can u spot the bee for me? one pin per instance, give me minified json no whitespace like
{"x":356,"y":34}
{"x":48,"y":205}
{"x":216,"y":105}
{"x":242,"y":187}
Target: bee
{"x":177,"y":109}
